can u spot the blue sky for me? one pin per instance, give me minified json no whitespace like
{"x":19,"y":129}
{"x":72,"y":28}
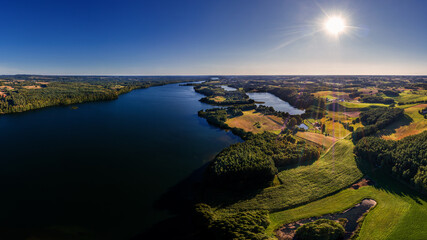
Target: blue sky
{"x":212,"y":37}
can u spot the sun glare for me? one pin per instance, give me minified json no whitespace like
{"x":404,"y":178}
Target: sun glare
{"x":334,"y":25}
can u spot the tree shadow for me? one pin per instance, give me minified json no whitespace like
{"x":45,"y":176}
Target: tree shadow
{"x":383,"y":180}
{"x":405,"y":120}
{"x":180,"y":199}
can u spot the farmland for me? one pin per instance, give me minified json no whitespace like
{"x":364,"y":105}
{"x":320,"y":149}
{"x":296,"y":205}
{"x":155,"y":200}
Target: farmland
{"x":255,"y":122}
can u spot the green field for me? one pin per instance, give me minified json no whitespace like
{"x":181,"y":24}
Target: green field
{"x":399,"y":214}
{"x":417,"y":124}
{"x":361,"y":105}
{"x":408,"y":96}
{"x":334,"y":171}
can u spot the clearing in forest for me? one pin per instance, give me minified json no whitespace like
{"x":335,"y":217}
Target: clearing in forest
{"x":332,"y":95}
{"x":255,"y":122}
{"x":417,"y":124}
{"x":317,"y":138}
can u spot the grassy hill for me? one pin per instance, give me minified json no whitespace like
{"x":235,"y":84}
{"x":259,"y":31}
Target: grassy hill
{"x":400,"y":212}
{"x":334,"y":171}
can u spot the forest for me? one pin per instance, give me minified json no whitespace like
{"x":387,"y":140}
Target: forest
{"x":405,"y":159}
{"x":21,"y":93}
{"x":376,"y":119}
{"x":256,"y":160}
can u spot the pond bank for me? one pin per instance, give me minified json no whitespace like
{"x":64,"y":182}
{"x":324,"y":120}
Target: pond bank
{"x":352,"y":215}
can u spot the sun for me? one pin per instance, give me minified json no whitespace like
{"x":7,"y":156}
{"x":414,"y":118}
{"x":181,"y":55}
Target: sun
{"x":335,"y":25}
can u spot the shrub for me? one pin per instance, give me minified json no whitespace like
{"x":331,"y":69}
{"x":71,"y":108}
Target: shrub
{"x":241,"y":225}
{"x":322,"y":229}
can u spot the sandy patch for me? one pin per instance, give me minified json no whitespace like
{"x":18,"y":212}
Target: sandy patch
{"x":32,"y":87}
{"x":352,"y":114}
{"x":6,"y":87}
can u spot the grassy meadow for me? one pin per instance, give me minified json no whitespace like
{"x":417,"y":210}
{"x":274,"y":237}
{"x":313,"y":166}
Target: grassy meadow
{"x":254,"y":122}
{"x":319,"y":139}
{"x":399,"y":214}
{"x":414,"y":123}
{"x":335,"y":170}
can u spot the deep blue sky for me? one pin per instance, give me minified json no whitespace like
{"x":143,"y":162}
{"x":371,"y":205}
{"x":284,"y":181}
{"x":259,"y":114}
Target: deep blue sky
{"x":211,"y":37}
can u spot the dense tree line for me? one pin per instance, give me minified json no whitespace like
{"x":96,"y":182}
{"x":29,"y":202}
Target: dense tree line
{"x":297,"y":98}
{"x":239,"y":225}
{"x":256,"y":160}
{"x":231,"y":97}
{"x":376,"y":119}
{"x":229,"y":100}
{"x":390,"y":93}
{"x":406,"y":159}
{"x":411,"y":102}
{"x":28,"y":92}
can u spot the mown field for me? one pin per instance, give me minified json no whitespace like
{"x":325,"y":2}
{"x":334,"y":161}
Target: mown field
{"x":399,"y":214}
{"x":318,"y":138}
{"x":254,"y":122}
{"x":412,"y":96}
{"x":414,"y":123}
{"x":359,"y":105}
{"x":332,"y":95}
{"x":334,"y":171}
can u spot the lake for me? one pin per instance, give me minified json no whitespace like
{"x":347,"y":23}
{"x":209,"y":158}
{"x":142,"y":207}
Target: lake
{"x":278,"y":104}
{"x":101,"y":167}
{"x":227,"y":88}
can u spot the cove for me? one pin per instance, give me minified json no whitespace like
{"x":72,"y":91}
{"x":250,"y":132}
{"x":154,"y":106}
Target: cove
{"x":99,"y":169}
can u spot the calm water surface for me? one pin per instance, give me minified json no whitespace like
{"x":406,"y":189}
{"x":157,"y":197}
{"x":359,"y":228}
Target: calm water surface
{"x":101,"y":167}
{"x":278,"y":104}
{"x":227,"y":88}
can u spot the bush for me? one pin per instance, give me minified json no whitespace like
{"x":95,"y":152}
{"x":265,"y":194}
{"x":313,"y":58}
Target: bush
{"x":238,"y":225}
{"x":241,"y":225}
{"x":322,"y":229}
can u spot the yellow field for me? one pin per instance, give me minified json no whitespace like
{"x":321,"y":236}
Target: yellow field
{"x":249,"y":119}
{"x":317,"y":138}
{"x":218,"y":99}
{"x":335,"y":129}
{"x":418,"y":125}
{"x":332,"y":95}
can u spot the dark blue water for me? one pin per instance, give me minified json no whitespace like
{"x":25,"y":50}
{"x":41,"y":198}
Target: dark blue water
{"x":101,"y":167}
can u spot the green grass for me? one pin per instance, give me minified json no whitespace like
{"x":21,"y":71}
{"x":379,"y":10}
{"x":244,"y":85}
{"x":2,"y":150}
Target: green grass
{"x":361,"y":105}
{"x":399,"y":214}
{"x":402,"y":128}
{"x":335,"y":170}
{"x":407,"y":96}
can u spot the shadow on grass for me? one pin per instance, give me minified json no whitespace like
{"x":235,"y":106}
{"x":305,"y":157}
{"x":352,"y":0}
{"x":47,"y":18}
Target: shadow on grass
{"x":179,"y":201}
{"x":405,"y":120}
{"x":386,"y":182}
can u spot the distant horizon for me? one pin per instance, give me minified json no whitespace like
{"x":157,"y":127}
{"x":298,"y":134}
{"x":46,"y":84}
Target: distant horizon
{"x":204,"y":75}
